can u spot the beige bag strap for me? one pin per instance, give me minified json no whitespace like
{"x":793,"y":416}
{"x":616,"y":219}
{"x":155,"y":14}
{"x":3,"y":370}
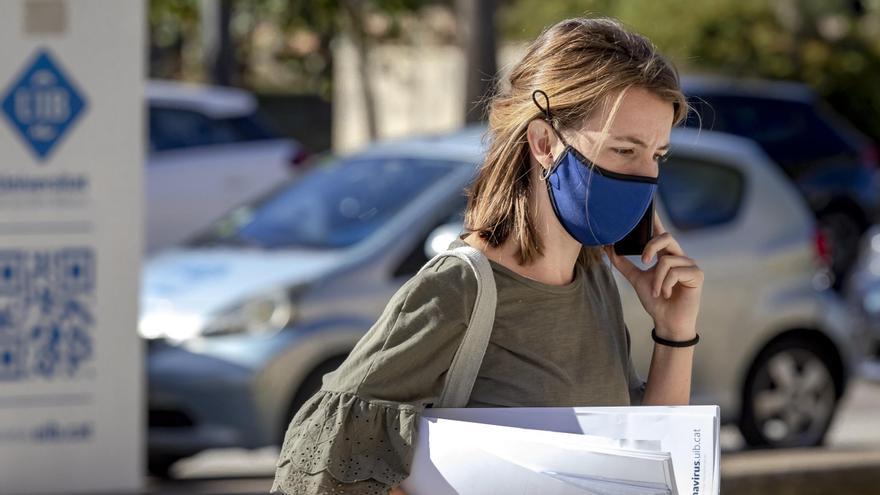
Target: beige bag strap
{"x":467,"y":360}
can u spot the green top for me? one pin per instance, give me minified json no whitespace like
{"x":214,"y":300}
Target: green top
{"x":550,"y":346}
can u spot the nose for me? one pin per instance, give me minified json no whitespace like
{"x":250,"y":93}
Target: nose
{"x":649,"y":167}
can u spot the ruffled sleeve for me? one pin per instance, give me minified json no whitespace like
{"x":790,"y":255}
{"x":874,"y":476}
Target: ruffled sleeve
{"x":355,"y":434}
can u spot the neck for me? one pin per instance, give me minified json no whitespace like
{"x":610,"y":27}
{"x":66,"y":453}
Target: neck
{"x":560,"y":251}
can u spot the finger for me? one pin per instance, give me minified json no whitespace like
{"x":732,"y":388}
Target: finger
{"x":661,"y":242}
{"x":663,"y":266}
{"x":687,"y":276}
{"x":623,"y":265}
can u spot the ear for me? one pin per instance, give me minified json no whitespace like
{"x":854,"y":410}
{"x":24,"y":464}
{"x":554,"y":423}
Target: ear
{"x":542,"y":142}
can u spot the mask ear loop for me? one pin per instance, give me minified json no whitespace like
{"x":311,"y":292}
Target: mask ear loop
{"x":544,"y":110}
{"x":548,"y":117}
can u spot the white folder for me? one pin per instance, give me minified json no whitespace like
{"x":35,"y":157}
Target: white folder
{"x":597,"y":450}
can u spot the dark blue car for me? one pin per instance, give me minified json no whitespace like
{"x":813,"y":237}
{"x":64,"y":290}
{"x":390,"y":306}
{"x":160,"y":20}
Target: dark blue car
{"x":833,"y":165}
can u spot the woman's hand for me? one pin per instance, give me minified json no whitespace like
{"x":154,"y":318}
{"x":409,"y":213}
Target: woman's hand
{"x":396,"y":491}
{"x":670,"y":290}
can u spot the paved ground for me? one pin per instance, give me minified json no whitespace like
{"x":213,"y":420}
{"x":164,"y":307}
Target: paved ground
{"x":849,"y":465}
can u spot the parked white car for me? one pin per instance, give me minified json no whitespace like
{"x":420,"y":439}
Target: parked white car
{"x":208,"y":152}
{"x":245,"y":320}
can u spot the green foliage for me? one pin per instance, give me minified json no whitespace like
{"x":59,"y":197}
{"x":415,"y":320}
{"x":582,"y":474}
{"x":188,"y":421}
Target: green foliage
{"x":525,"y":19}
{"x":175,"y":42}
{"x":169,"y":19}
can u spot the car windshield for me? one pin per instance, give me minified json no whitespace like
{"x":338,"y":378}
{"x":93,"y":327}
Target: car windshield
{"x":334,"y":206}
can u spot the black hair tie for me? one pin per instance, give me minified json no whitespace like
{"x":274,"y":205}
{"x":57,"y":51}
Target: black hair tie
{"x":674,"y":343}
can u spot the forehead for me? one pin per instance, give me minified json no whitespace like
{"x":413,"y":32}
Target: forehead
{"x":640,"y":113}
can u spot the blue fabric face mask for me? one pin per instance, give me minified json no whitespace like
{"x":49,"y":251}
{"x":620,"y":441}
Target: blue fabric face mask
{"x":596,"y":206}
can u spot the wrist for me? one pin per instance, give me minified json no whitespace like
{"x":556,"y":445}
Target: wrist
{"x":670,"y":333}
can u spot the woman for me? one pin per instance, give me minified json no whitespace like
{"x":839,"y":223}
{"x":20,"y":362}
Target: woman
{"x":587,"y":94}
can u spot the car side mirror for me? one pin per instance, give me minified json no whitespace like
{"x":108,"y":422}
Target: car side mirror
{"x":440,"y":238}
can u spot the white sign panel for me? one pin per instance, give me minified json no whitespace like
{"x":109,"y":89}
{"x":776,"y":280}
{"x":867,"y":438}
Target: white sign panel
{"x":71,"y":157}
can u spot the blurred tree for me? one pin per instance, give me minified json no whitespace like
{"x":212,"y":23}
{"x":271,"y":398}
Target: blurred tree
{"x":218,"y":51}
{"x":833,"y":45}
{"x":523,"y":20}
{"x":365,"y":22}
{"x":477,"y":37}
{"x":280,"y":45}
{"x":173,"y":27}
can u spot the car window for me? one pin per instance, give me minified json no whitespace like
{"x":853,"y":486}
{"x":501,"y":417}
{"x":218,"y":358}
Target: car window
{"x":334,"y":206}
{"x":172,"y":128}
{"x":240,"y":129}
{"x":175,"y":128}
{"x":699,"y":194}
{"x":791,"y":132}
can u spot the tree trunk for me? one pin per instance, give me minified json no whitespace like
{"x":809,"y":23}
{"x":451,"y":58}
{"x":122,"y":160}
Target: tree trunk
{"x":355,"y":13}
{"x":477,"y":36}
{"x":218,"y":49}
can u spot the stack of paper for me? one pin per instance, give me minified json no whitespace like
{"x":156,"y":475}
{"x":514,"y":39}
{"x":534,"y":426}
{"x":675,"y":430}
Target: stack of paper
{"x":583,"y":450}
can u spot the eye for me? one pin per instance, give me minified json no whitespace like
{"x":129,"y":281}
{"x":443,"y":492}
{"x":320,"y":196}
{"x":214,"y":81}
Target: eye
{"x":660,"y":158}
{"x":623,"y":151}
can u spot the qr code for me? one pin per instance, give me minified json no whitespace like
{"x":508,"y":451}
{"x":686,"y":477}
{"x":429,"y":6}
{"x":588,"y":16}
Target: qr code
{"x":46,"y":312}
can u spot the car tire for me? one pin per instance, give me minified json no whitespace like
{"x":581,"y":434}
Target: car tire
{"x":309,"y":386}
{"x":160,"y":465}
{"x":790,"y":395}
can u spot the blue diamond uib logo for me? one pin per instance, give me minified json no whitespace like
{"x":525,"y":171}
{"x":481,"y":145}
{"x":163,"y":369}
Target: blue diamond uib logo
{"x":42,"y":104}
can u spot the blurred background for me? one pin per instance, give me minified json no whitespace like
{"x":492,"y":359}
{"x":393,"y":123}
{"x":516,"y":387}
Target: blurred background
{"x":306,"y":157}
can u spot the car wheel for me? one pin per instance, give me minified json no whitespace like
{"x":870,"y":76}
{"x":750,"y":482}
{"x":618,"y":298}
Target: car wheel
{"x":160,"y":465}
{"x":308,"y":388}
{"x":790,"y":396}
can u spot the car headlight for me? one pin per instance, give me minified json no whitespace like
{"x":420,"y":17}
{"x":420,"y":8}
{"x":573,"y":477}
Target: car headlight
{"x":165,"y":322}
{"x":266,"y":313}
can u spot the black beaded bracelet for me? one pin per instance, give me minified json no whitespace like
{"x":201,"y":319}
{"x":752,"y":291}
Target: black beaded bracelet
{"x":674,"y":343}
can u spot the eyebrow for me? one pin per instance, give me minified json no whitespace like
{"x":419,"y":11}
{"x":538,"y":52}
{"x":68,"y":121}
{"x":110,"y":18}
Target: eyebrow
{"x":635,"y":140}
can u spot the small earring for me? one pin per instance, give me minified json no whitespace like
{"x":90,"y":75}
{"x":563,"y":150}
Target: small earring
{"x":545,"y":174}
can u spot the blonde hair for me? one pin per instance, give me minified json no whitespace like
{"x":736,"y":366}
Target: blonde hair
{"x":578,"y":63}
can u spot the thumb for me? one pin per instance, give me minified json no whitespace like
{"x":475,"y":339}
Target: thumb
{"x":623,"y":265}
